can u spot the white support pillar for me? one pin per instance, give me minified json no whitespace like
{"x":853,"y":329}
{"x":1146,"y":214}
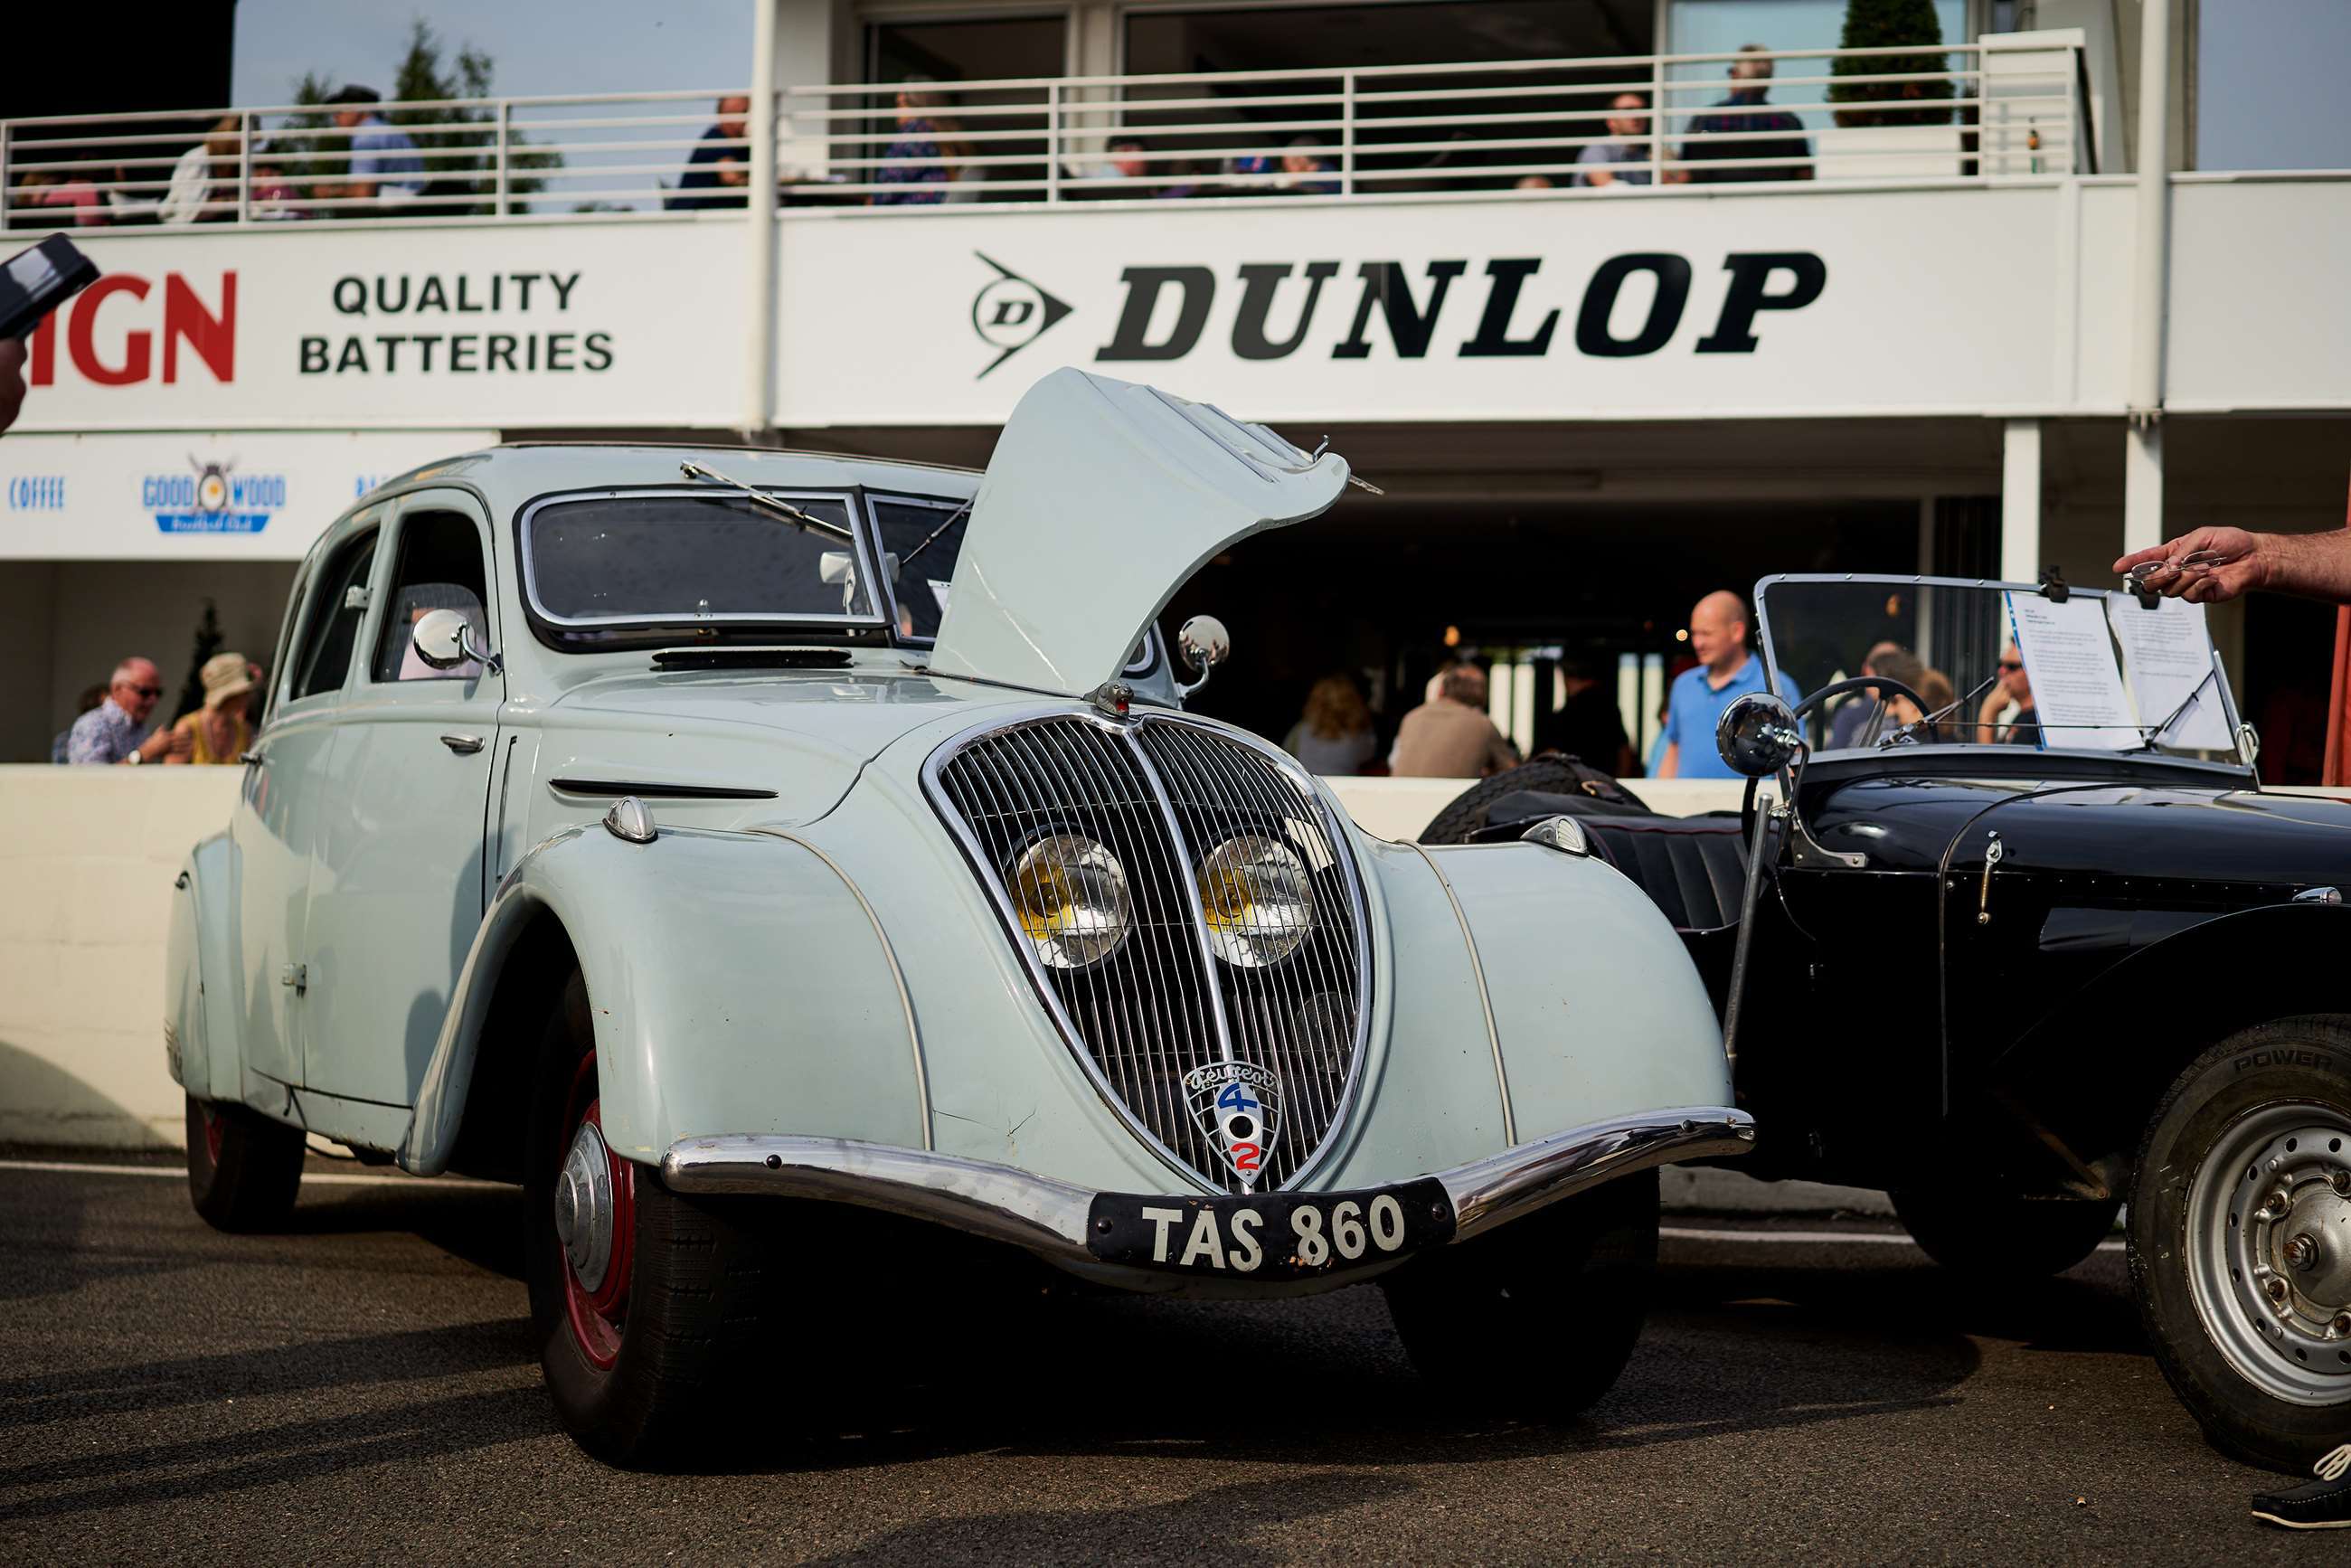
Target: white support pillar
{"x":759,"y":255}
{"x":2019,"y":501}
{"x":2143,"y":448}
{"x":2142,"y":485}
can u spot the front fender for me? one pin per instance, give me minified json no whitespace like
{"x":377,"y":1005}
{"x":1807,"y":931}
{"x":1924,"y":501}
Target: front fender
{"x":200,"y":975}
{"x":735,"y":983}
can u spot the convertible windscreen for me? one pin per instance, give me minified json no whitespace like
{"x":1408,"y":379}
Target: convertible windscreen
{"x":624,"y":566}
{"x":1931,"y":661}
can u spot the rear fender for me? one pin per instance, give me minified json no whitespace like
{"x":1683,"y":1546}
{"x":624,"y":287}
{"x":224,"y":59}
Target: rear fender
{"x":735,"y":982}
{"x":200,"y":1046}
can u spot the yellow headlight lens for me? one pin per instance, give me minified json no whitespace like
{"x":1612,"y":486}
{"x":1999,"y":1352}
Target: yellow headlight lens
{"x":1259,"y":900}
{"x":1069,"y":895}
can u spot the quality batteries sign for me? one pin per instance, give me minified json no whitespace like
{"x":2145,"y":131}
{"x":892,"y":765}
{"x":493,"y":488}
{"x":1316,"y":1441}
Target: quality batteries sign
{"x":238,"y":495}
{"x":382,"y":326}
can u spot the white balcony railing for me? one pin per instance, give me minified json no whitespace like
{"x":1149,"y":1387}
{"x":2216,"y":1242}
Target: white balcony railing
{"x":1973,"y":111}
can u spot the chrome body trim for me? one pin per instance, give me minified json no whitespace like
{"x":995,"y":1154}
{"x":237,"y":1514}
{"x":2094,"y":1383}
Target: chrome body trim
{"x":1485,"y":998}
{"x":1517,"y":1182}
{"x":1048,"y":1218}
{"x":1127,"y":732}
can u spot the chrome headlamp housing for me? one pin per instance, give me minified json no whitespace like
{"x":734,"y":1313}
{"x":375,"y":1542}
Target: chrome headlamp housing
{"x":1257,"y":899}
{"x":1070,"y":898}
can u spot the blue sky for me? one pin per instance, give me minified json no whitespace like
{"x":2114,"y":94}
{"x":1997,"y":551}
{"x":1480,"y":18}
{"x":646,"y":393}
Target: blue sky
{"x":2271,"y":70}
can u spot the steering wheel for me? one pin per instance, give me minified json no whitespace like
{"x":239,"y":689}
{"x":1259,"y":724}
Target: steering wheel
{"x":1884,"y":683}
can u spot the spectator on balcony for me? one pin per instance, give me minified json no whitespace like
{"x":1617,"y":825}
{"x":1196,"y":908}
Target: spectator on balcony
{"x":1533,"y":183}
{"x":203,"y":187}
{"x":43,"y":189}
{"x":218,"y":733}
{"x":925,"y":156}
{"x":116,"y":730}
{"x":1743,"y":114}
{"x":90,"y":698}
{"x":1308,"y":169}
{"x":708,"y":183}
{"x":1624,"y":158}
{"x":274,"y":198}
{"x":385,"y":168}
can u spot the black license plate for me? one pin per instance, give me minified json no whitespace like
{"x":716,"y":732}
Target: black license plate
{"x":1269,"y":1236}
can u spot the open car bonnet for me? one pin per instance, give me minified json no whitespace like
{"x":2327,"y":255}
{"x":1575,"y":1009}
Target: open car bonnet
{"x":1103,"y":498}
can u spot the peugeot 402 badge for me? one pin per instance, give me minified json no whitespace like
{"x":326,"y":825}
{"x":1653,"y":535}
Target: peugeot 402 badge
{"x":1238,"y":1104}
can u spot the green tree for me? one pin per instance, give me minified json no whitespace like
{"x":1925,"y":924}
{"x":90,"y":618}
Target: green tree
{"x":458,"y":142}
{"x":1891,"y":24}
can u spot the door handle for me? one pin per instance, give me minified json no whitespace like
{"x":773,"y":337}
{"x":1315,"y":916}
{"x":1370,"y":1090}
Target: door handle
{"x":253,"y":758}
{"x":297,"y":976}
{"x":1993,"y":854}
{"x":462,"y":745}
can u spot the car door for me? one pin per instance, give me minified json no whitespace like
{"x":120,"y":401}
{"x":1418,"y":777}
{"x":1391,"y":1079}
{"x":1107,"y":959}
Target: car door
{"x":274,"y":830}
{"x":398,"y":886}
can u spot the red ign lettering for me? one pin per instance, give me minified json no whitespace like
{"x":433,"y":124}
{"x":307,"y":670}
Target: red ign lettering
{"x":209,"y":334}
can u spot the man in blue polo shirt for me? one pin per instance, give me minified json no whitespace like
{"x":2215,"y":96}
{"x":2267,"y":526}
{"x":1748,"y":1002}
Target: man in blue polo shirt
{"x":1726,"y":671}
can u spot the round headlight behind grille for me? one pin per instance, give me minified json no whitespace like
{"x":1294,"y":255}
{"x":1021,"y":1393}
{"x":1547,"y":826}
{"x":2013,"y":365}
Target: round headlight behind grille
{"x":1069,"y":895}
{"x":1259,"y":900}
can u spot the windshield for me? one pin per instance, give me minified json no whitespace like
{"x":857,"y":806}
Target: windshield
{"x":1996,"y":664}
{"x":921,"y":540}
{"x":646,"y":566}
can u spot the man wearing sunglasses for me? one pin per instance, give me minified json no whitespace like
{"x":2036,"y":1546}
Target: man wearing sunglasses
{"x":116,"y":730}
{"x":2014,"y":690}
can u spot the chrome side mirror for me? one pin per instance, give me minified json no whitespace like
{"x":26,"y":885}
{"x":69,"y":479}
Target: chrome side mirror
{"x":1757,"y":736}
{"x":1205,"y":643}
{"x":444,"y":639}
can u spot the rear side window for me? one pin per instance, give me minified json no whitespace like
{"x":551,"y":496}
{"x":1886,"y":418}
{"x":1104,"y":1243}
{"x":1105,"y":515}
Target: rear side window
{"x":323,"y":658}
{"x":439,"y":568}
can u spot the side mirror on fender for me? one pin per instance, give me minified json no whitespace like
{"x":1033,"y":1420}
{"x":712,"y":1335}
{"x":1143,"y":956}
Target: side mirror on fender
{"x":1758,"y":735}
{"x":1205,"y":643}
{"x":444,"y":639}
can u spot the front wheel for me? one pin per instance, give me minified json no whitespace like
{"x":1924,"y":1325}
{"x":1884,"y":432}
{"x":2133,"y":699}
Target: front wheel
{"x":651,"y":1311}
{"x":2240,"y":1240}
{"x":1993,"y":1236}
{"x":1539,"y":1317}
{"x":243,"y":1169}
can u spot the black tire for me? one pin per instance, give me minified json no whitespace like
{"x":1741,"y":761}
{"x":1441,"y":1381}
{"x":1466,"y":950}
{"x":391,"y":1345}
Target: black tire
{"x":1466,"y":814}
{"x":1993,"y":1236}
{"x":1536,"y":1318}
{"x":697,"y":1326}
{"x":243,"y":1169}
{"x":2275,"y":1072}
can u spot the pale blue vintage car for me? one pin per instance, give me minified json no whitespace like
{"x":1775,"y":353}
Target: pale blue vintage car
{"x":727,"y":845}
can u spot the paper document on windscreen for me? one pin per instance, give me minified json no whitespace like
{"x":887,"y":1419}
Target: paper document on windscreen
{"x":2078,"y":696}
{"x":2168,"y":655}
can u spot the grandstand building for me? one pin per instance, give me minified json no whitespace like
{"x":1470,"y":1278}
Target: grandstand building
{"x":1959,"y":305}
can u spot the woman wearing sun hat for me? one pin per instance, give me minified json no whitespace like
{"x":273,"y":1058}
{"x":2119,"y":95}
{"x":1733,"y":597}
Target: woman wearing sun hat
{"x":219,"y":728}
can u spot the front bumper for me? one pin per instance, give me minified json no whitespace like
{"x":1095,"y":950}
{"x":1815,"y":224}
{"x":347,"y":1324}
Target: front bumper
{"x":1048,"y":1218}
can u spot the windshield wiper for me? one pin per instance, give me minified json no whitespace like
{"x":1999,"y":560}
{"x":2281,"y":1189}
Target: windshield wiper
{"x":1941,"y":714}
{"x":933,"y":537}
{"x":2152,"y":732}
{"x":783,"y":509}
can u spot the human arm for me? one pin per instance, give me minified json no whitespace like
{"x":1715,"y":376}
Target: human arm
{"x":1988,"y":714}
{"x":1671,"y":767}
{"x":2317,"y":566}
{"x":12,"y":380}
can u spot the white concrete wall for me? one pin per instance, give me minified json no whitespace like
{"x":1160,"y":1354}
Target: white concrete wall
{"x":86,"y":876}
{"x":85,"y":872}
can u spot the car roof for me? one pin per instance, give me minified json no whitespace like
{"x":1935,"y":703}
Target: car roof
{"x":513,"y":473}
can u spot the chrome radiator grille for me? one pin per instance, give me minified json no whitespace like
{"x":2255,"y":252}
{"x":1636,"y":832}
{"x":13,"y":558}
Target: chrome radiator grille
{"x":1163,"y":794}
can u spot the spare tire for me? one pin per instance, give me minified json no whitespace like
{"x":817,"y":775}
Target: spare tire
{"x":1552,"y":773}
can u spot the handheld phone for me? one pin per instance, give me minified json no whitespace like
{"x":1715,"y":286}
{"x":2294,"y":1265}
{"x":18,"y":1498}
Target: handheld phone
{"x":37,"y":280}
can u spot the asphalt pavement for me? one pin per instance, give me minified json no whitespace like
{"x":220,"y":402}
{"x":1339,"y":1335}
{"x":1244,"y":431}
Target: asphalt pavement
{"x":363,"y":1388}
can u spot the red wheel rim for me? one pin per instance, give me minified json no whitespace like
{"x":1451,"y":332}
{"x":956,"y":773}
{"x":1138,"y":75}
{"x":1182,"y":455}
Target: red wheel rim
{"x":216,"y":1132}
{"x":599,"y":1316}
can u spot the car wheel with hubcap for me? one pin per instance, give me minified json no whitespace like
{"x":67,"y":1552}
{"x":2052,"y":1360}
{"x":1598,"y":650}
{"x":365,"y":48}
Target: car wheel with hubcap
{"x":1996,"y":1236}
{"x":646,"y":1306}
{"x":1539,"y":1317}
{"x":243,"y":1169}
{"x":2240,"y":1240}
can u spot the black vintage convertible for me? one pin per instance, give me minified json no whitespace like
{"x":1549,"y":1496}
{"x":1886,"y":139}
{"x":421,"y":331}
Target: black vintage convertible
{"x":2018,"y":964}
